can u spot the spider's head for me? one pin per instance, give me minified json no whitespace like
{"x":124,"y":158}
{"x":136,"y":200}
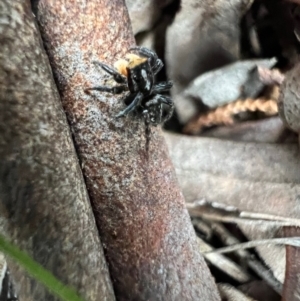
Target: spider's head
{"x":138,"y":71}
{"x":139,"y":74}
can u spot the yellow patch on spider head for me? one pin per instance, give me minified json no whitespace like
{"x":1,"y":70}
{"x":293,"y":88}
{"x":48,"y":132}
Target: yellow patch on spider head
{"x":121,"y":66}
{"x":134,"y":60}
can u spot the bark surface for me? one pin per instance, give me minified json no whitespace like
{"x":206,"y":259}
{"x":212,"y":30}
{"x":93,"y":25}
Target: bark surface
{"x":44,"y":206}
{"x":149,"y":241}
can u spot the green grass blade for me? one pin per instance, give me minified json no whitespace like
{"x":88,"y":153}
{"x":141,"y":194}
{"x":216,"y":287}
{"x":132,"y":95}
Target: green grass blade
{"x":38,"y":272}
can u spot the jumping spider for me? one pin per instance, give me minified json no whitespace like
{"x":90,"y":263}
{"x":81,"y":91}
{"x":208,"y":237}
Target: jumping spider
{"x":137,"y":76}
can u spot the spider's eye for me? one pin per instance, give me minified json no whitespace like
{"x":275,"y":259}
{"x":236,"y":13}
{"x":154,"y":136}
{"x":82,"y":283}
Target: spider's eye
{"x":135,"y":78}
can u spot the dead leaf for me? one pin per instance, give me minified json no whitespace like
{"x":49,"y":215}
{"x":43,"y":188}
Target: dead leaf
{"x":269,"y":130}
{"x":227,"y":84}
{"x":254,"y":177}
{"x":229,"y":293}
{"x":197,"y":43}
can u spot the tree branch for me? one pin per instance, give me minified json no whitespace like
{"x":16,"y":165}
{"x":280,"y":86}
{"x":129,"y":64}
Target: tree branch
{"x":44,"y":207}
{"x":149,"y":241}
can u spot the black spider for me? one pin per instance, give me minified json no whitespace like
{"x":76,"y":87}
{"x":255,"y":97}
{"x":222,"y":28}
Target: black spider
{"x":137,"y":76}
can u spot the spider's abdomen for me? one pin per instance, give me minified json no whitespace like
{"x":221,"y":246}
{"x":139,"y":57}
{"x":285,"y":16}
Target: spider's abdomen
{"x":140,"y":78}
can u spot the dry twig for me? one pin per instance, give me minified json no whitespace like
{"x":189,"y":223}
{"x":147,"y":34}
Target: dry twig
{"x":225,"y":114}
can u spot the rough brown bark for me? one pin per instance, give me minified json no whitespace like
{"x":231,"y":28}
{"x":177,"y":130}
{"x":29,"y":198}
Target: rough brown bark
{"x":150,"y":243}
{"x":291,"y":287}
{"x":44,"y":207}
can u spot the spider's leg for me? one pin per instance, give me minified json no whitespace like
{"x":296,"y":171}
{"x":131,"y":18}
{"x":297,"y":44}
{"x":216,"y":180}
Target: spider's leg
{"x":155,"y":62}
{"x":119,"y":78}
{"x":147,"y":128}
{"x":114,"y":90}
{"x":155,"y":110}
{"x":150,"y":54}
{"x":153,"y":101}
{"x":168,"y":101}
{"x":143,"y":51}
{"x":159,"y":100}
{"x":157,"y":66}
{"x":158,"y":112}
{"x":135,"y":103}
{"x":162,"y":87}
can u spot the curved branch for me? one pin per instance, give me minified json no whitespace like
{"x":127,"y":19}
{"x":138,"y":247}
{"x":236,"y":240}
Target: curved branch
{"x":44,"y":207}
{"x":149,"y":241}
